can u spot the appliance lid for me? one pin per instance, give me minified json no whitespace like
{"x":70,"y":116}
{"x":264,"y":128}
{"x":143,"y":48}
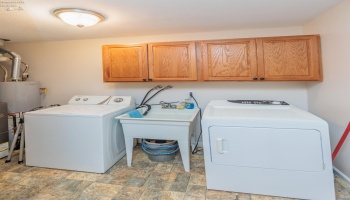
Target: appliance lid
{"x":80,"y":110}
{"x":224,"y":111}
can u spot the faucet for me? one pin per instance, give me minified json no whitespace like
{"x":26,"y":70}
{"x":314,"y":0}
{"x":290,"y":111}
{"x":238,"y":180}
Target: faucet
{"x":167,"y":105}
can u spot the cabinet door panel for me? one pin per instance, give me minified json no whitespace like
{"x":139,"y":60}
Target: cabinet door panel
{"x":124,"y":62}
{"x":172,"y":61}
{"x":289,"y":58}
{"x":229,"y":59}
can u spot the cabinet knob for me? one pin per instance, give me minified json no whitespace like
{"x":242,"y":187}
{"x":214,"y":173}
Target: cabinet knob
{"x":144,"y":79}
{"x":255,"y":78}
{"x":150,"y":79}
{"x":262,"y":78}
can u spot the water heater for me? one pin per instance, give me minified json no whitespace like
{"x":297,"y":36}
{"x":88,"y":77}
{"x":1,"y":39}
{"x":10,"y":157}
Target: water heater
{"x":20,"y":96}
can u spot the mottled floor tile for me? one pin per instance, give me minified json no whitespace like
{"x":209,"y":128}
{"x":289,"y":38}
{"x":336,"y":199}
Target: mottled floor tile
{"x":11,"y":177}
{"x":129,"y":193}
{"x":341,"y":192}
{"x":144,"y":180}
{"x":71,"y":185}
{"x":136,"y":182}
{"x":39,"y":183}
{"x":51,"y":173}
{"x":102,"y":189}
{"x":263,"y":197}
{"x":17,"y":192}
{"x":144,"y":172}
{"x":150,"y":193}
{"x":121,"y":164}
{"x":121,"y":177}
{"x":195,"y":192}
{"x":18,"y":168}
{"x":218,"y":195}
{"x":104,"y":178}
{"x":84,"y":196}
{"x":195,"y":163}
{"x":55,"y":195}
{"x":160,"y":180}
{"x":3,"y":186}
{"x":157,"y":184}
{"x":169,"y":195}
{"x":84,"y":176}
{"x":164,"y":167}
{"x":179,"y":168}
{"x":197,"y":179}
{"x":180,"y":183}
{"x":243,"y":196}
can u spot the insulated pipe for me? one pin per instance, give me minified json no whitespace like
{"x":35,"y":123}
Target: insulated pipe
{"x":5,"y":73}
{"x":25,"y":72}
{"x":4,"y":58}
{"x":16,"y":62}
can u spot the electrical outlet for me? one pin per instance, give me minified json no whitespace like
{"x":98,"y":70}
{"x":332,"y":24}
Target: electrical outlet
{"x":190,"y":93}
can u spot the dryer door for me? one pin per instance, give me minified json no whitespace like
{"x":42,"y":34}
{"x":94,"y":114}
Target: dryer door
{"x":270,"y":148}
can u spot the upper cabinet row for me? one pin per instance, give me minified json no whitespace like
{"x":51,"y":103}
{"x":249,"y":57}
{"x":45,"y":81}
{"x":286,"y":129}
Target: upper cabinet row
{"x":289,"y":58}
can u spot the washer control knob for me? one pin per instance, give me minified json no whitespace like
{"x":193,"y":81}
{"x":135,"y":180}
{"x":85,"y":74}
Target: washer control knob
{"x":85,"y":99}
{"x":77,"y":99}
{"x":118,"y":100}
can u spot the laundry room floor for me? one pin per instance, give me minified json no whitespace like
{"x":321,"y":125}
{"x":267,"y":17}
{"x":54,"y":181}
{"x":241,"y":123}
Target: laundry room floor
{"x":144,"y":180}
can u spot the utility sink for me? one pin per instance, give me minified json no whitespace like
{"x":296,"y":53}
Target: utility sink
{"x":164,"y":116}
{"x":161,"y":124}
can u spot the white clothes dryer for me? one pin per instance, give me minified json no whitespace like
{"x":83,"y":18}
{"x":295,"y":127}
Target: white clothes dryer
{"x":276,"y":150}
{"x":80,"y":136}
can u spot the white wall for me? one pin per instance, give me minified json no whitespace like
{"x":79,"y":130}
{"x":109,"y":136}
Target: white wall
{"x":331,"y":98}
{"x":68,"y":68}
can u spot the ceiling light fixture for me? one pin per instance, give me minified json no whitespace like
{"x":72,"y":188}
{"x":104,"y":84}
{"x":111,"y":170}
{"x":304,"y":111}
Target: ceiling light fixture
{"x":78,"y":17}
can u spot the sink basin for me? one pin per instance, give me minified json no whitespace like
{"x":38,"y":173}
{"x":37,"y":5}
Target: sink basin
{"x":162,"y":124}
{"x":158,"y":114}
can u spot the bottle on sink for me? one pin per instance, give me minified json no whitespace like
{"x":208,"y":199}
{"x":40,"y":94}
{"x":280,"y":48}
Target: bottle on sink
{"x":189,"y":104}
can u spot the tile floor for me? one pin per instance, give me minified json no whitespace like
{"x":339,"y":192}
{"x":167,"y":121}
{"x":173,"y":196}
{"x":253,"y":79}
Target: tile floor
{"x":144,"y":180}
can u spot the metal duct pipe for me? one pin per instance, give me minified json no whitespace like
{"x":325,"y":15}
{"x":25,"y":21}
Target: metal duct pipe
{"x":16,"y":63}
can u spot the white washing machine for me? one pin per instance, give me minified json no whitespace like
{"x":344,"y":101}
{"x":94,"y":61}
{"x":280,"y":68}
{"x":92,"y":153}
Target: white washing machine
{"x":80,"y":136}
{"x":276,"y":150}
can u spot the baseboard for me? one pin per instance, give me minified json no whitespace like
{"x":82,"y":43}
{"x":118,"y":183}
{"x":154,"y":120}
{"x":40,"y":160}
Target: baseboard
{"x":341,"y":175}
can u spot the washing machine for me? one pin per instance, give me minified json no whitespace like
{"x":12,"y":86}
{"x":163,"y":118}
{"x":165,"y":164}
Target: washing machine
{"x":267,"y":147}
{"x":80,"y":136}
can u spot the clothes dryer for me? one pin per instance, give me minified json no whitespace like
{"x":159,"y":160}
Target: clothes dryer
{"x":80,"y":136}
{"x":268,"y":148}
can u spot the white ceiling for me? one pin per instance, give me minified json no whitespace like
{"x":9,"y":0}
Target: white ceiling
{"x":125,"y":18}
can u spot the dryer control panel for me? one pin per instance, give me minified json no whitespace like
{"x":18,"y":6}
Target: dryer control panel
{"x":263,"y":102}
{"x":102,"y":100}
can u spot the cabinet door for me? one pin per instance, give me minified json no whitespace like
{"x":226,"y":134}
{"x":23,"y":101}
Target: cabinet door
{"x":229,"y":59}
{"x":124,"y":62}
{"x":294,"y":58}
{"x":172,"y":61}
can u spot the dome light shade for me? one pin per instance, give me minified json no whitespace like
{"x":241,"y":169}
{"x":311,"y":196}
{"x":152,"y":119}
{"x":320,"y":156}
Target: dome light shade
{"x":78,"y":17}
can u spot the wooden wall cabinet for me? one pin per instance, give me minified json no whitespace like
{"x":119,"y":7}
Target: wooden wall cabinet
{"x":172,"y":61}
{"x":229,"y":59}
{"x":287,"y":58}
{"x":292,"y":58}
{"x":124,"y":63}
{"x":168,"y":61}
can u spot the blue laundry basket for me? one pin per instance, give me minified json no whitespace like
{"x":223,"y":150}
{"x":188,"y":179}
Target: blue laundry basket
{"x":160,"y":152}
